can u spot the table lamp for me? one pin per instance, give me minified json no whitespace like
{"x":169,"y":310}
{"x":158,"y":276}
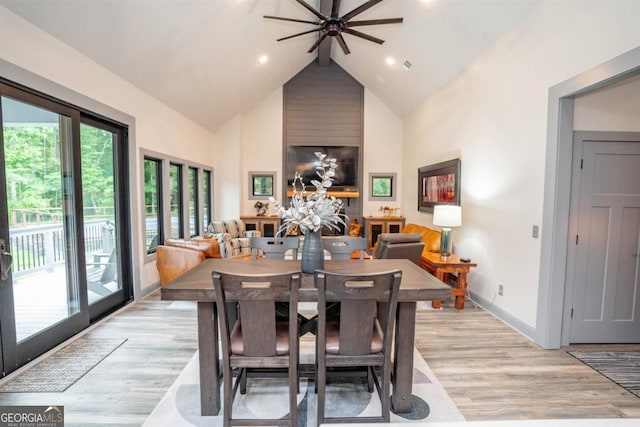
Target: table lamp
{"x":447,"y":216}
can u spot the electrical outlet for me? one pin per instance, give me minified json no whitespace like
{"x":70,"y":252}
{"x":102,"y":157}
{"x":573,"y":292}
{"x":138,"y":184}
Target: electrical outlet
{"x":536,"y":231}
{"x":500,"y":290}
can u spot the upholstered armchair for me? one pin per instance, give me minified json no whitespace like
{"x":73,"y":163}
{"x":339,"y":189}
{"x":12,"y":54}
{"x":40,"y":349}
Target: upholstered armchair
{"x":232,"y":236}
{"x":400,"y":245}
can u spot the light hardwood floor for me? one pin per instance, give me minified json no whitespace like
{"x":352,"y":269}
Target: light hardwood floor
{"x":490,"y":371}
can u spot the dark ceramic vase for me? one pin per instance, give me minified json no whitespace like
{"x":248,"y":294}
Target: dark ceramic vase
{"x":312,"y":252}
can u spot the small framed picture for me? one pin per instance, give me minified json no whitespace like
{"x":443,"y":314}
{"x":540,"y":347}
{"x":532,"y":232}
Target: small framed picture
{"x":439,"y":184}
{"x":382,"y":187}
{"x":261,"y":185}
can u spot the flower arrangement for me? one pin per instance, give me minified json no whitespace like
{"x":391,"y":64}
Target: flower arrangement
{"x":318,"y":209}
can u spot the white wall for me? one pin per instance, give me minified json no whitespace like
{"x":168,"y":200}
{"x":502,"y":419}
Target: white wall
{"x":382,"y":150}
{"x":259,"y":133}
{"x":613,"y":108}
{"x":262,"y":146}
{"x":493,"y":116}
{"x":157,"y":127}
{"x":228,"y":174}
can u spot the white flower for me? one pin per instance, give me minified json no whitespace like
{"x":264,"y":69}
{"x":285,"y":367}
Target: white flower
{"x":318,"y":209}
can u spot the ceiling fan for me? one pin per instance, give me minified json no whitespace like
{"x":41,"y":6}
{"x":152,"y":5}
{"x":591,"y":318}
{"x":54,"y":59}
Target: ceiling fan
{"x":334,"y":25}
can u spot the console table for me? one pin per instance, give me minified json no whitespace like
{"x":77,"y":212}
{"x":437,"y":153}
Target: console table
{"x":439,"y":267}
{"x":376,"y":225}
{"x":267,"y":224}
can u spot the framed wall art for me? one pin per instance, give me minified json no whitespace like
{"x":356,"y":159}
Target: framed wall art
{"x":261,"y":185}
{"x":382,"y":187}
{"x":439,"y":184}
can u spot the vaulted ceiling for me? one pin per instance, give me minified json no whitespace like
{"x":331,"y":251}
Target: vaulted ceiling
{"x":200,"y":57}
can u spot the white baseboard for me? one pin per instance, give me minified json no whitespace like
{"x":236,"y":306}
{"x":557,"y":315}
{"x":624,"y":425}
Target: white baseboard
{"x":515,"y":323}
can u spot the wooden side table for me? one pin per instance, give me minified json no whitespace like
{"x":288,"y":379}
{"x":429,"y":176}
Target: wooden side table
{"x":434,"y":264}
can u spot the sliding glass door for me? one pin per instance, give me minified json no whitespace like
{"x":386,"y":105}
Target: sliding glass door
{"x":60,"y":224}
{"x":101,"y":211}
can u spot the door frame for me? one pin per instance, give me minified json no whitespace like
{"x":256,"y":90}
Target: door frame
{"x":20,"y":353}
{"x":550,"y":329}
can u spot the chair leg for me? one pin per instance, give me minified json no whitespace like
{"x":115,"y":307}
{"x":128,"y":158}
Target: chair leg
{"x":370,"y":373}
{"x":294,"y":388}
{"x":242,"y":377}
{"x":228,"y":398}
{"x":321,"y":386}
{"x":385,"y":397}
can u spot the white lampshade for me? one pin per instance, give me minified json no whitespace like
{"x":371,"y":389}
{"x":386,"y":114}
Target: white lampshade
{"x":447,"y":216}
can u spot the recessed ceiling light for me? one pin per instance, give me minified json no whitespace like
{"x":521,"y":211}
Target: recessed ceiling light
{"x":426,"y":1}
{"x":390,"y":60}
{"x":262,"y":59}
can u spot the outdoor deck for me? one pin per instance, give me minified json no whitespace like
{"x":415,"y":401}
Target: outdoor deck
{"x":40,"y":300}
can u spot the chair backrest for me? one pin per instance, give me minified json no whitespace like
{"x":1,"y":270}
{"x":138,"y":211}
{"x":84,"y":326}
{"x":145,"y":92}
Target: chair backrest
{"x":110,"y":269}
{"x":400,"y":246}
{"x":274,"y":247}
{"x":341,"y":247}
{"x":256,"y":296}
{"x":360,"y":312}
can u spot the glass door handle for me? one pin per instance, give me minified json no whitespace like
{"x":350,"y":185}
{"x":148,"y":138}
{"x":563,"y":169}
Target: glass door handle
{"x":5,"y":261}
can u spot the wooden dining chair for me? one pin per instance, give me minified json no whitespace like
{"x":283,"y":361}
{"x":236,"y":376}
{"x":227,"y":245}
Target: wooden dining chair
{"x":341,"y":247}
{"x":257,"y":339}
{"x":357,"y":338}
{"x":274,"y":247}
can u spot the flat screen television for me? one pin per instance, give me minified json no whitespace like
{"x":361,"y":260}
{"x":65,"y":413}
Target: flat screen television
{"x":304,"y":160}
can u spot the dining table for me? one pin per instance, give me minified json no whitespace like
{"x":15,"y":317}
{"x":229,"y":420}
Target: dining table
{"x":197,"y":285}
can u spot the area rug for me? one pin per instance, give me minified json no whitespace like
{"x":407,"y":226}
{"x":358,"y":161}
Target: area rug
{"x":268,"y":398}
{"x":63,"y":368}
{"x":621,"y":367}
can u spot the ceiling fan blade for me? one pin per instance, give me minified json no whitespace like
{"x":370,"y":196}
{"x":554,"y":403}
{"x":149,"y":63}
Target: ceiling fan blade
{"x":358,"y":10}
{"x":299,"y":34}
{"x":312,"y":10}
{"x":363,"y":35}
{"x":343,"y":44}
{"x":290,"y":19}
{"x":317,"y":43}
{"x":374,"y":22}
{"x":335,"y":9}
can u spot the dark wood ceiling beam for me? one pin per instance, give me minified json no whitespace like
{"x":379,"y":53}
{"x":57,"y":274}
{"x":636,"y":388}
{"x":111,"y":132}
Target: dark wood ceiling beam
{"x":324,"y":50}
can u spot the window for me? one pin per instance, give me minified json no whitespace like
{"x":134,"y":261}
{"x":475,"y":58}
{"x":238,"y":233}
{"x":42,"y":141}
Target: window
{"x":382,"y":187}
{"x":206,"y":197}
{"x":153,"y":203}
{"x":176,"y":201}
{"x":178,"y":198}
{"x":194,"y":225}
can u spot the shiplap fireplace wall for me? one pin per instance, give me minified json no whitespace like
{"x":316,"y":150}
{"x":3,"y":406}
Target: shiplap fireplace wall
{"x":324,"y":106}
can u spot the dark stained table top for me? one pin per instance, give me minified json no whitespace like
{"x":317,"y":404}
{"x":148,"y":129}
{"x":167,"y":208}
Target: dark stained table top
{"x":196,"y":284}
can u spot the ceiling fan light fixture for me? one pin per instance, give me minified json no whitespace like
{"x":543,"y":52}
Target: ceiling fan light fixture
{"x":335,"y":25}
